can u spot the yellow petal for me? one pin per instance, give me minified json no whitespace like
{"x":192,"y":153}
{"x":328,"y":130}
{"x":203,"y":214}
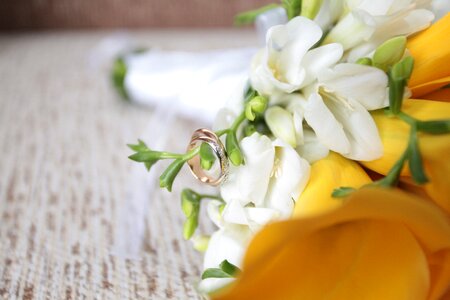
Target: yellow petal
{"x":439,"y":95}
{"x":381,"y":244}
{"x":327,"y":174}
{"x":435,"y":149}
{"x":431,"y":53}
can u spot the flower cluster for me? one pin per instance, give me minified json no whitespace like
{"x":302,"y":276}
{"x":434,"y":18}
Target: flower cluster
{"x":320,"y":96}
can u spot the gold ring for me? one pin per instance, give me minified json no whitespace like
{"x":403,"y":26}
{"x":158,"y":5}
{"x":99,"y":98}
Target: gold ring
{"x":207,"y":136}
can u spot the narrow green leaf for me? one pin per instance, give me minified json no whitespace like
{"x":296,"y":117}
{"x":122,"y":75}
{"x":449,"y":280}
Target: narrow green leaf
{"x":415,"y":159}
{"x":343,"y":191}
{"x":293,"y":7}
{"x":146,"y":156}
{"x":229,"y":268}
{"x":434,"y":127}
{"x":166,"y":179}
{"x":250,"y":16}
{"x":215,"y":273}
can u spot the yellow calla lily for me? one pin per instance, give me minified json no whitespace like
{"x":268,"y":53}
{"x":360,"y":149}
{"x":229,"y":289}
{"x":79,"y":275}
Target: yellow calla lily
{"x":435,"y":149}
{"x":381,"y":244}
{"x":327,"y":174}
{"x":439,"y":95}
{"x":431,"y":53}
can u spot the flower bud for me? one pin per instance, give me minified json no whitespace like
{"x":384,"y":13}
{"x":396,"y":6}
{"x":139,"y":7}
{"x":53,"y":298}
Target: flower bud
{"x":389,"y":53}
{"x":257,"y":105}
{"x":281,"y":123}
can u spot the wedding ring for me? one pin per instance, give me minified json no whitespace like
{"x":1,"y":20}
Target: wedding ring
{"x":207,"y":136}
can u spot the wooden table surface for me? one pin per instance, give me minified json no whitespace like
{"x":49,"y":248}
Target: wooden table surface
{"x":78,"y":220}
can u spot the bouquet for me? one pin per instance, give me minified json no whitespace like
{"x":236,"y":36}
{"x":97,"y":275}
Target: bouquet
{"x":331,"y":162}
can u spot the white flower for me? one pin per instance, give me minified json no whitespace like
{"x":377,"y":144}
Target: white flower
{"x":287,"y":63}
{"x":337,"y":109}
{"x":369,"y":23}
{"x":272,"y":178}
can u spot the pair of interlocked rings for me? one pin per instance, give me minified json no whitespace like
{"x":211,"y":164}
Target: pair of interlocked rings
{"x":207,"y":136}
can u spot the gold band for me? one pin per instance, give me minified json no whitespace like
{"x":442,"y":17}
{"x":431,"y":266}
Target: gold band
{"x":207,"y":136}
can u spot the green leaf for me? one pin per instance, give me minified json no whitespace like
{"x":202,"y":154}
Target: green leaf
{"x":434,"y":127}
{"x":146,"y":156}
{"x":207,"y":156}
{"x":343,"y":191}
{"x":215,"y":273}
{"x":415,"y":159}
{"x":118,"y":74}
{"x":166,"y":179}
{"x":250,"y":16}
{"x":229,"y":268}
{"x":389,"y":53}
{"x":141,"y":146}
{"x":310,"y":8}
{"x":293,"y":8}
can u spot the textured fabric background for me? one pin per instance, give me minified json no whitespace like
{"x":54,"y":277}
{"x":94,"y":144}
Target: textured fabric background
{"x":78,"y":220}
{"x":26,"y":14}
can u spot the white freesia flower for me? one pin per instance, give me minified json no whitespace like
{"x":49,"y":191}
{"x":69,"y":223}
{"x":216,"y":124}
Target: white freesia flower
{"x":365,"y":24}
{"x":287,"y":63}
{"x":337,"y":109}
{"x":271,"y":181}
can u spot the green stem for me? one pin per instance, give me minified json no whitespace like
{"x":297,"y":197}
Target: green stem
{"x":237,"y":122}
{"x":214,"y":197}
{"x":189,"y":155}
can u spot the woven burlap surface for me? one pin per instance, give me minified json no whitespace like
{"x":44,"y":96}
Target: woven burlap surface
{"x":75,"y":219}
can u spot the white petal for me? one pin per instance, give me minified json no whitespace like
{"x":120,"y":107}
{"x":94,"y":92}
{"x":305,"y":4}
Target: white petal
{"x":402,"y":23}
{"x":329,"y":13}
{"x":227,"y":243}
{"x":291,"y":173}
{"x":248,"y":182}
{"x":319,"y":59}
{"x":328,"y":130}
{"x":213,"y":211}
{"x":312,"y":150}
{"x":234,"y":213}
{"x":210,"y":285}
{"x":286,"y":45}
{"x":297,"y":111}
{"x":259,"y":216}
{"x":353,"y":29}
{"x":281,"y":124}
{"x":378,"y":7}
{"x":364,"y":84}
{"x":360,"y":129}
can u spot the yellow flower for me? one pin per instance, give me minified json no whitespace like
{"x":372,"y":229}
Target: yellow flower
{"x":435,"y":149}
{"x":430,"y":50}
{"x":380,"y":244}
